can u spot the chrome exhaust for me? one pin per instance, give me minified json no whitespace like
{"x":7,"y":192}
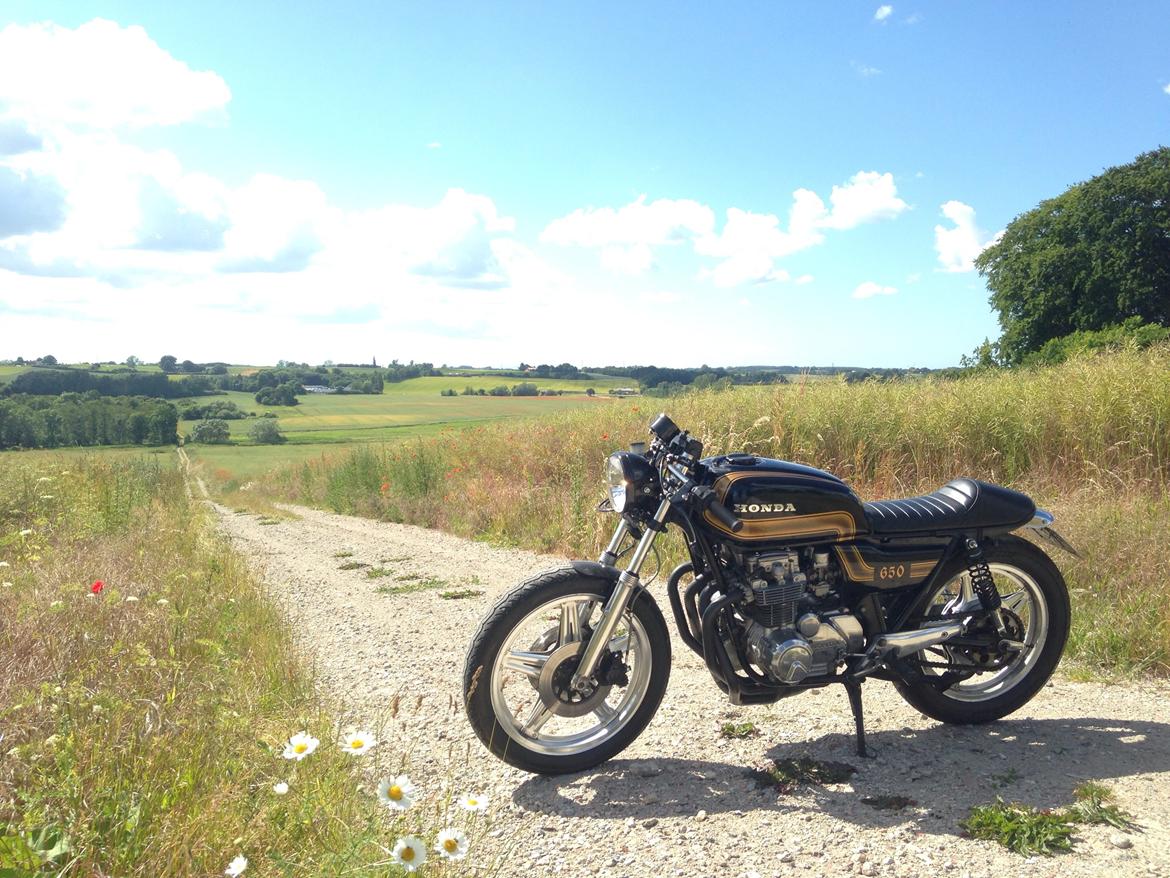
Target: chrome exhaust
{"x":907,"y":642}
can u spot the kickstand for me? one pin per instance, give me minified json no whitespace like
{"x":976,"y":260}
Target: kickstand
{"x":853,"y":688}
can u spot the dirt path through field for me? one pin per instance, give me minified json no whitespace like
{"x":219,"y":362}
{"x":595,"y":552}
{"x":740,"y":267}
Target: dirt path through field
{"x":680,"y":801}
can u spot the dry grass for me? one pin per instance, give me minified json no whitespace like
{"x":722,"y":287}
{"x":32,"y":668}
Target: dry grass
{"x":1089,"y":438}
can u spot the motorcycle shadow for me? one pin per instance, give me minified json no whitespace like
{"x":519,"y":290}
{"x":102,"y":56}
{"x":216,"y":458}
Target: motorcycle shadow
{"x":931,"y":775}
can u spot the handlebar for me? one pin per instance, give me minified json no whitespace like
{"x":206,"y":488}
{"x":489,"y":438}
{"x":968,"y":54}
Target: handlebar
{"x":733,"y":524}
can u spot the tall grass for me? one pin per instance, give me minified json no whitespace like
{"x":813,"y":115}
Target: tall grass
{"x":141,"y":727}
{"x":1091,"y":438}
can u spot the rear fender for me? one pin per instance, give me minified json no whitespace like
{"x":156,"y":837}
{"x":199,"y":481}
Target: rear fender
{"x":1041,"y":525}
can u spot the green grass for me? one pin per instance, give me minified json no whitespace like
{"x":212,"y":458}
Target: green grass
{"x":143,"y":726}
{"x":413,"y":584}
{"x":457,"y":594}
{"x":787,"y":774}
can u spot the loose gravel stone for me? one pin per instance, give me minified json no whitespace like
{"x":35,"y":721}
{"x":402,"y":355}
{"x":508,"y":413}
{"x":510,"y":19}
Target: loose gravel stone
{"x":394,"y":662}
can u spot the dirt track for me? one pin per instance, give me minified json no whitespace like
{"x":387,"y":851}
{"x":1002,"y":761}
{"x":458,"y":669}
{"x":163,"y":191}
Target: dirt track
{"x":679,"y":801}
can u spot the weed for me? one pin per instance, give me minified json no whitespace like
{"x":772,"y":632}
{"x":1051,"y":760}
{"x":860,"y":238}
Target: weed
{"x":419,"y":585}
{"x":1094,"y":804}
{"x":1009,"y":777}
{"x":343,"y":554}
{"x":353,"y":565}
{"x":1019,"y":828}
{"x":739,"y":730}
{"x":787,"y":774}
{"x":408,"y":577}
{"x":377,"y":573}
{"x":396,"y":560}
{"x":456,"y":594}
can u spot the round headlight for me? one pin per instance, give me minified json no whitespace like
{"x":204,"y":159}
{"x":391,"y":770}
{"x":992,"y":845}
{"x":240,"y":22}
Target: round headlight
{"x":615,"y":475}
{"x":632,"y":480}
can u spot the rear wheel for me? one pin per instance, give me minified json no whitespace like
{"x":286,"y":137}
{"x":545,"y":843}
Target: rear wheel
{"x":522,"y":660}
{"x":1036,"y":613}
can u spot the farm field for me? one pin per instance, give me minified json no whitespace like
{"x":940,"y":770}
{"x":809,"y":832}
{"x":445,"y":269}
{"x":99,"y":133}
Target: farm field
{"x":405,"y":410}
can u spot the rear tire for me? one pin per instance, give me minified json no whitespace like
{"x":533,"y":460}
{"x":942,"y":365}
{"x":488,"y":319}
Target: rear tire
{"x":492,"y":682}
{"x":984,"y":698}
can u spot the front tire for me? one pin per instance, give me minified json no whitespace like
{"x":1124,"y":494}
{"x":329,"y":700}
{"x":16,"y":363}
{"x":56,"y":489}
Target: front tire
{"x":1030,"y":586}
{"x":524,"y":652}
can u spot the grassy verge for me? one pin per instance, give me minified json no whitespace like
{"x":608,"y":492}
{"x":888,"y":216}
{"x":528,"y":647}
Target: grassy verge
{"x":142,"y":727}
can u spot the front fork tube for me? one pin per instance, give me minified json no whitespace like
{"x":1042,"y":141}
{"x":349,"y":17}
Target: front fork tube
{"x":622,"y":592}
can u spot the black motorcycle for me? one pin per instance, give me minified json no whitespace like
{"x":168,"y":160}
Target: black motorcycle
{"x":793,"y":584}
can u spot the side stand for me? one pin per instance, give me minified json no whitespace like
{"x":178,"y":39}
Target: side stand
{"x":853,"y":688}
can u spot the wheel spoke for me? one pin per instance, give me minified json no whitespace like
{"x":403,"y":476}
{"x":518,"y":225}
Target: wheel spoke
{"x":604,"y":712}
{"x":570,"y":624}
{"x":528,"y":663}
{"x":537,"y":717}
{"x":1014,"y":601}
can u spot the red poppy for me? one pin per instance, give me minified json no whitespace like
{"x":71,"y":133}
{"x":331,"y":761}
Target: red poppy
{"x":385,"y":486}
{"x":604,"y":435}
{"x":97,"y":586}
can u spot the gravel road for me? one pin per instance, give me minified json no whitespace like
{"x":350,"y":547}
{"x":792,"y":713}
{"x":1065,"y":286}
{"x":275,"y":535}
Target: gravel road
{"x":680,"y":801}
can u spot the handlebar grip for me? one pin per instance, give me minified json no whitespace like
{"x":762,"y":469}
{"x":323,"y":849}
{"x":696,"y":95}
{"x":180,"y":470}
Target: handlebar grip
{"x":733,"y":524}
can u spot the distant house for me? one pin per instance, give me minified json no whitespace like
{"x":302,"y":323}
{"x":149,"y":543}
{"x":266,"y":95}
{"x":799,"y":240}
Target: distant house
{"x":319,"y":388}
{"x":623,"y":391}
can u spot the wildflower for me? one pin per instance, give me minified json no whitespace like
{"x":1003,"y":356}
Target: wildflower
{"x":299,"y":746}
{"x":6,"y":584}
{"x":451,"y":844}
{"x":46,"y":496}
{"x":409,"y":853}
{"x":4,"y":564}
{"x":130,"y":599}
{"x":236,"y":867}
{"x":45,"y":479}
{"x":604,"y":435}
{"x":97,"y":587}
{"x":56,"y":604}
{"x":385,"y":486}
{"x":356,"y":743}
{"x":473,"y":802}
{"x":396,"y":793}
{"x":26,"y":532}
{"x":162,"y":602}
{"x":280,"y":788}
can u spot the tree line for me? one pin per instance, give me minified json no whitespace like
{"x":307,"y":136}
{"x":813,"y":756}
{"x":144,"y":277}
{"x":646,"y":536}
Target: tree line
{"x":86,"y":419}
{"x":43,"y":382}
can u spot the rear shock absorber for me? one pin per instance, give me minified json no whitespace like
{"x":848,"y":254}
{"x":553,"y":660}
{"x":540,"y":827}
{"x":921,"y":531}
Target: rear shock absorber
{"x":983,"y":583}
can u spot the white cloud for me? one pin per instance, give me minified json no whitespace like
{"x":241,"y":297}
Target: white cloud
{"x":1167,"y":88}
{"x":865,"y":70}
{"x":434,"y":144}
{"x":749,"y":244}
{"x":870,"y":288}
{"x":100,"y":75}
{"x":957,"y":247}
{"x":664,"y":221}
{"x":804,"y":279}
{"x":883,"y":12}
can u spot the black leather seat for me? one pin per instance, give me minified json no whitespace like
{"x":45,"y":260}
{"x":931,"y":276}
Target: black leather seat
{"x":964,"y":504}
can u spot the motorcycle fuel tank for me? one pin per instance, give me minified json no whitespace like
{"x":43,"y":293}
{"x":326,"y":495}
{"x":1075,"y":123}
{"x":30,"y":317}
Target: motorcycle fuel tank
{"x":779,"y":501}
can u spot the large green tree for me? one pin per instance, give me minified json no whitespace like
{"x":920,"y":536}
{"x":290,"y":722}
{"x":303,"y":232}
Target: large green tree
{"x":1092,"y":257}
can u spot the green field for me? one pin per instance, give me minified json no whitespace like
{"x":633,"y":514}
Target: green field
{"x":406,"y":409}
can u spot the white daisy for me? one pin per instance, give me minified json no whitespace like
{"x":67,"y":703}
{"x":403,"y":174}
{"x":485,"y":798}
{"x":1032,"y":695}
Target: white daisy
{"x":26,"y":532}
{"x":162,"y":602}
{"x":280,"y":788}
{"x":451,"y":844}
{"x":357,"y":742}
{"x":130,"y":599}
{"x":396,"y":792}
{"x":409,"y":853}
{"x":300,"y":745}
{"x":236,"y":867}
{"x":473,"y":802}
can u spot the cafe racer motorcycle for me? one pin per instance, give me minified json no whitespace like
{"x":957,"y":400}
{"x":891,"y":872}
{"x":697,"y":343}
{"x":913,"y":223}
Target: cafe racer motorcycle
{"x":793,"y":583}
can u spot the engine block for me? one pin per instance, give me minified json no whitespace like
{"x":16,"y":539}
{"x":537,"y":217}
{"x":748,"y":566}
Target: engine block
{"x":814,"y":648}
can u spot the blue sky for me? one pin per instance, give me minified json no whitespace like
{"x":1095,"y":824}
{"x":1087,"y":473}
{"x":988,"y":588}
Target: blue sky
{"x":474,"y":183}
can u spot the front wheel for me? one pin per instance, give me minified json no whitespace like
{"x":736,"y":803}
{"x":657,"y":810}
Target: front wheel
{"x":1036,"y":611}
{"x":523,"y":657}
